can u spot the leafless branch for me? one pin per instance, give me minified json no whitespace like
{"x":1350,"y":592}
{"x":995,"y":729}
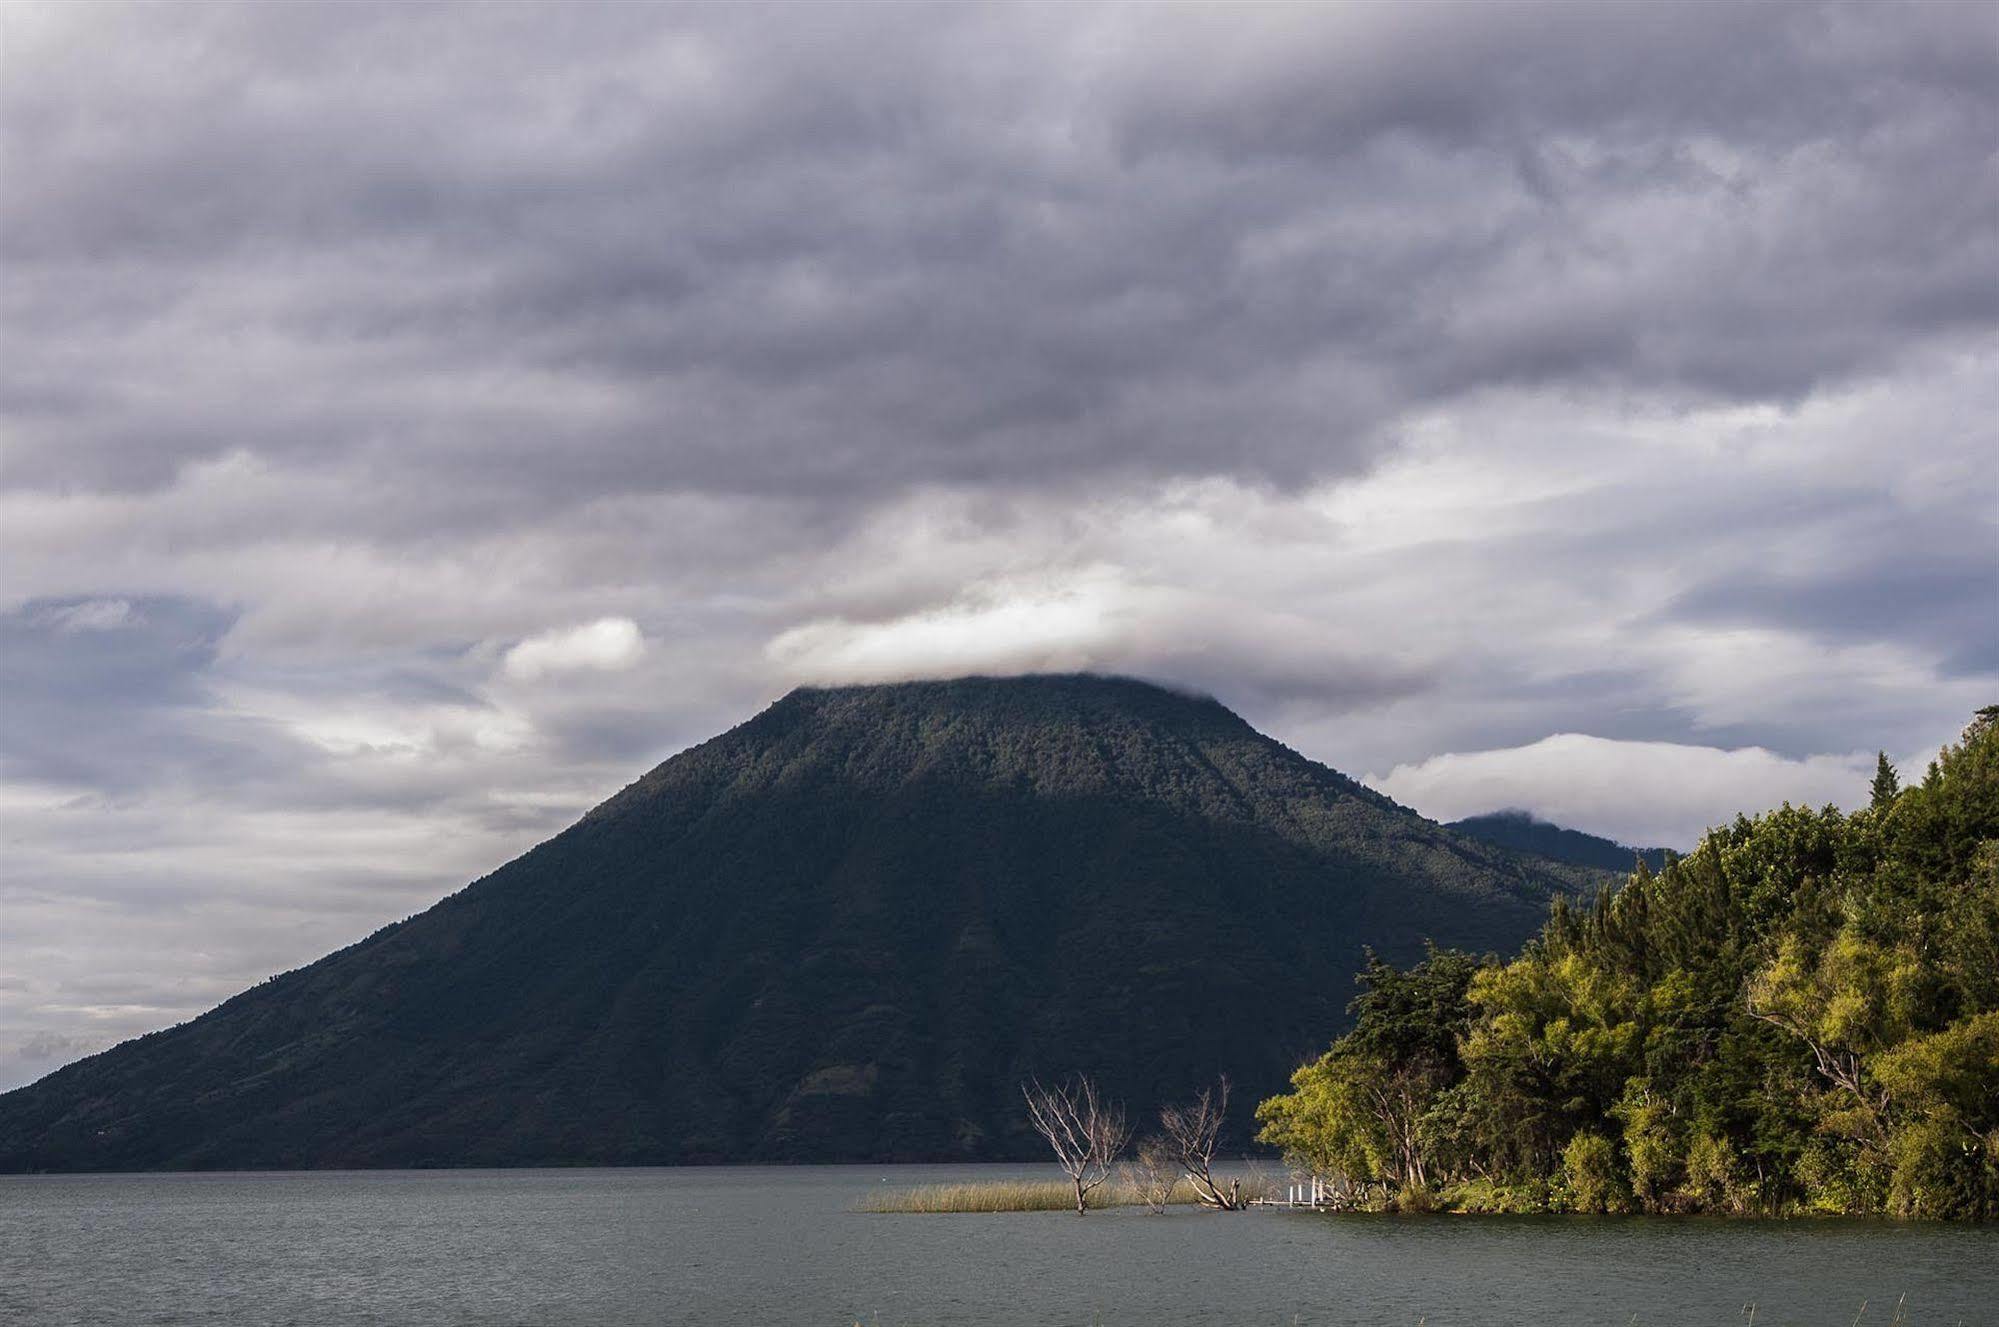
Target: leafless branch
{"x":1836,"y":1064}
{"x":1087,"y":1133}
{"x":1193,"y":1132}
{"x":1152,"y":1172}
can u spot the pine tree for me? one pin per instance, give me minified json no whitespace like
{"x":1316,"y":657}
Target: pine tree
{"x":1886,"y":784}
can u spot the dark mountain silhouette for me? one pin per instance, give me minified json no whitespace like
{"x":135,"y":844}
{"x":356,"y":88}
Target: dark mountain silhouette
{"x":1525,"y":832}
{"x":843,"y":930}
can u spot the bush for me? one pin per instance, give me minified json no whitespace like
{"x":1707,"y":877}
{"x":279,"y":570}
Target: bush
{"x":1591,"y":1177}
{"x":1649,"y":1143}
{"x":1936,"y":1171}
{"x":1839,"y":1178}
{"x":1416,"y":1198}
{"x":1711,"y":1183}
{"x":1484,"y":1197}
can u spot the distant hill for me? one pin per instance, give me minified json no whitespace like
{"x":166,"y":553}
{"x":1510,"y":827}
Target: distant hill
{"x":843,"y":930}
{"x":1524,"y":832}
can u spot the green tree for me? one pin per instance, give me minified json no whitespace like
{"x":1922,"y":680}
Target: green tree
{"x":1326,"y":1125}
{"x":1847,"y":1003}
{"x":1945,"y":1155}
{"x":1360,"y":1111}
{"x":1886,"y":784}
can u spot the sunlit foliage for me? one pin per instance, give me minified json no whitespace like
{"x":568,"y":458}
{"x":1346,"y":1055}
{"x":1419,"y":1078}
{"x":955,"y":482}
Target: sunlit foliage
{"x":1802,"y":1015}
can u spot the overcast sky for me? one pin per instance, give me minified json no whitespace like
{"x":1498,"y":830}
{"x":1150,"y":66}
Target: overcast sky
{"x":421,"y":420}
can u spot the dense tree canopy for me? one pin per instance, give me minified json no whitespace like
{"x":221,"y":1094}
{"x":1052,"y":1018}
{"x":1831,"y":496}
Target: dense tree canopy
{"x":1801,"y":1015}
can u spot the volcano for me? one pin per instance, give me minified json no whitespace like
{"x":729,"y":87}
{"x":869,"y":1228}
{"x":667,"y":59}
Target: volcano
{"x":844,"y":930}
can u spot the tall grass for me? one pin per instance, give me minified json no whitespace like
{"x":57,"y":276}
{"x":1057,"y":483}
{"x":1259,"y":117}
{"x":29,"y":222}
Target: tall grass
{"x":999,"y":1196}
{"x":1025,"y":1196}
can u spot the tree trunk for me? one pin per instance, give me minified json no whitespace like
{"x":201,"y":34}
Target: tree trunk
{"x":1081,"y":1206}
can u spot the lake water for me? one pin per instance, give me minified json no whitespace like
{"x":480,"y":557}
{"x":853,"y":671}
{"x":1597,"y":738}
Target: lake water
{"x":782,"y":1245}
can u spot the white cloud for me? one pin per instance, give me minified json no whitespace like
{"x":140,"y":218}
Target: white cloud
{"x":610,"y":644}
{"x":1649,"y":794}
{"x":92,"y":615}
{"x":373,"y":726}
{"x":1004,"y":628}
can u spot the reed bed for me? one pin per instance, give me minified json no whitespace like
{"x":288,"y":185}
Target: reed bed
{"x":1024,"y":1196}
{"x":1004,"y":1196}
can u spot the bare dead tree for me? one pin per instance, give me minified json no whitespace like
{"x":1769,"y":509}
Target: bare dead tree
{"x":1087,"y":1133}
{"x":1193,"y":1132}
{"x":1152,"y":1172}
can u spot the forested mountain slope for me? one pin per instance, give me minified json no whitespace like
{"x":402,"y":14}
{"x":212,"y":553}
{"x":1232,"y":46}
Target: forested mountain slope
{"x":843,"y":930}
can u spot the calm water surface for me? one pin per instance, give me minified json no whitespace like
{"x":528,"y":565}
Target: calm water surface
{"x":781,"y":1245}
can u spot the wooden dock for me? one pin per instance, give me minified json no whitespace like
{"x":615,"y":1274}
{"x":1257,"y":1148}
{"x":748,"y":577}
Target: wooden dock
{"x":1314,"y":1196}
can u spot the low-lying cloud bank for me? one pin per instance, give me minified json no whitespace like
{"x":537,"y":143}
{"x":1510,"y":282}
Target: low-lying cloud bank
{"x":1646,"y":794}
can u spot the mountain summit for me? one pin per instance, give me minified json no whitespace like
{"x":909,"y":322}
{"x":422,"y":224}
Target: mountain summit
{"x":1523,"y":831}
{"x":843,"y":930}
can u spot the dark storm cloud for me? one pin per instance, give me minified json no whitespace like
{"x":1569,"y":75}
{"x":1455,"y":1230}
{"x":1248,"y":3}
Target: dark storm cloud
{"x":546,"y":254}
{"x":1942,"y":599}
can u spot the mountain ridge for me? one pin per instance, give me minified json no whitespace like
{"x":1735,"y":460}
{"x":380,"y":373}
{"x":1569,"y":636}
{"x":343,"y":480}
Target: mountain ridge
{"x":1526,"y":832}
